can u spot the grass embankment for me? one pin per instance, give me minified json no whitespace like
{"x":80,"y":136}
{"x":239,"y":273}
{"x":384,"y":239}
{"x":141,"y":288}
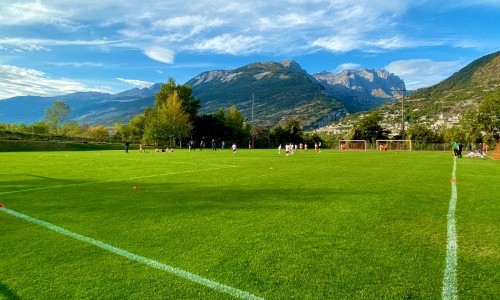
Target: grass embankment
{"x":27,"y":145}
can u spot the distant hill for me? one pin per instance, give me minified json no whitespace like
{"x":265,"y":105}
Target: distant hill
{"x":86,"y":107}
{"x":443,"y":104}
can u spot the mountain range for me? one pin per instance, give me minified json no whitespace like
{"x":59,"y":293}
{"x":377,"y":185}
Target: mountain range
{"x":265,"y":92}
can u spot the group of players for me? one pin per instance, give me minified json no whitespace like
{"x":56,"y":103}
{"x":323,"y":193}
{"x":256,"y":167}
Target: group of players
{"x":291,"y":148}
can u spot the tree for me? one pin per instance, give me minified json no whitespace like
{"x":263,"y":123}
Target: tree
{"x":56,"y":114}
{"x":420,"y":134}
{"x":71,"y":128}
{"x":453,"y":134}
{"x":279,"y":134}
{"x":168,"y":122}
{"x":235,"y":122}
{"x":120,"y":132}
{"x":470,"y":126}
{"x":369,"y":128}
{"x":489,"y":116}
{"x":262,"y":136}
{"x":482,"y":124}
{"x":99,"y":133}
{"x":40,"y":128}
{"x":136,"y":126}
{"x":185,"y":93}
{"x":209,"y":126}
{"x":293,"y":129}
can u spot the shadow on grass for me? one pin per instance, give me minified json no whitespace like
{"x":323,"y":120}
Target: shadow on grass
{"x":7,"y":293}
{"x":36,"y":183}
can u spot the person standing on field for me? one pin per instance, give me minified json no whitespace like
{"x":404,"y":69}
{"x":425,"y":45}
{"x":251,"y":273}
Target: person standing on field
{"x":127,"y":144}
{"x":455,"y":148}
{"x":234,"y":148}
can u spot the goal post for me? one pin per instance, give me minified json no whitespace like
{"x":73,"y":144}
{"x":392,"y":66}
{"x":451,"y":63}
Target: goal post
{"x":400,"y":145}
{"x":352,"y":145}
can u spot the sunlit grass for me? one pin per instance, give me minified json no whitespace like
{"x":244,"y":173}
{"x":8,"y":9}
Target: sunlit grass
{"x":330,"y":225}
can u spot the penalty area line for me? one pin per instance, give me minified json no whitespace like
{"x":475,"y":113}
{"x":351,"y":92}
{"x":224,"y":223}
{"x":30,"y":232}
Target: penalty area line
{"x":450,"y":273}
{"x":112,"y":180}
{"x":141,"y":259}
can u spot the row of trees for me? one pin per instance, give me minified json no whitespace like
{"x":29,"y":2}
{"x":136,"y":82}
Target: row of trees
{"x":68,"y":130}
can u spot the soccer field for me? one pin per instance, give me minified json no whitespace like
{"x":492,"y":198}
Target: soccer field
{"x":213,"y":225}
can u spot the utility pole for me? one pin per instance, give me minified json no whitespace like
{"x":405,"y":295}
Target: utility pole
{"x":253,"y":99}
{"x":253,"y":125}
{"x":403,"y":90}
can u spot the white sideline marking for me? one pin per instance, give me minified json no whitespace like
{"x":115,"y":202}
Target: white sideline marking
{"x":450,"y":273}
{"x":111,"y":180}
{"x":141,"y":259}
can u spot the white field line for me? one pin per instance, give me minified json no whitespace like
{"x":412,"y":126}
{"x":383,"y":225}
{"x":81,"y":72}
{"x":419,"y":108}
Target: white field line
{"x":450,"y":272}
{"x":111,"y":180}
{"x":141,"y":259}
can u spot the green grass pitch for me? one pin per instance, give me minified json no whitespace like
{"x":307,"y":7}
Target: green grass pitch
{"x":329,"y":225}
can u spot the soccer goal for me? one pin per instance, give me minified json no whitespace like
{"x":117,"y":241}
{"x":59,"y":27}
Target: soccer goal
{"x":399,"y":145}
{"x":352,"y":145}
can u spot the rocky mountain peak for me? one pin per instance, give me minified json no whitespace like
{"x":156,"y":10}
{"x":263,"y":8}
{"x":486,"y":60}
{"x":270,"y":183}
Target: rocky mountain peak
{"x":291,"y":64}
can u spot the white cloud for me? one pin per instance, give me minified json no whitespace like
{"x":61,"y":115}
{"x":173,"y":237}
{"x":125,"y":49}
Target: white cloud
{"x":194,"y":23}
{"x":419,"y":73}
{"x":17,"y":81}
{"x":135,"y":82}
{"x":347,"y":66}
{"x":16,"y":13}
{"x":163,"y":31}
{"x":231,"y":44}
{"x":338,"y":44}
{"x":76,"y":64}
{"x":160,"y":54}
{"x":343,"y":43}
{"x":337,"y":26}
{"x":39,"y":44}
{"x":33,"y":48}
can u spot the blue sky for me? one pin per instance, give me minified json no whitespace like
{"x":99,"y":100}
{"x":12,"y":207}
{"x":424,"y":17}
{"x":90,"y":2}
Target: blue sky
{"x":56,"y":47}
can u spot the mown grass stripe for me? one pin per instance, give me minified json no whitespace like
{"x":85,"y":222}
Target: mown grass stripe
{"x":450,"y":274}
{"x":152,"y":263}
{"x":111,"y":180}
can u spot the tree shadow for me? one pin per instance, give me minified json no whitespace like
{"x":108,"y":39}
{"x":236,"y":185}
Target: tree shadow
{"x":7,"y":293}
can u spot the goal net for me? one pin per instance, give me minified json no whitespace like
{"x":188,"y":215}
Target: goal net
{"x":400,"y":145}
{"x":352,"y":145}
